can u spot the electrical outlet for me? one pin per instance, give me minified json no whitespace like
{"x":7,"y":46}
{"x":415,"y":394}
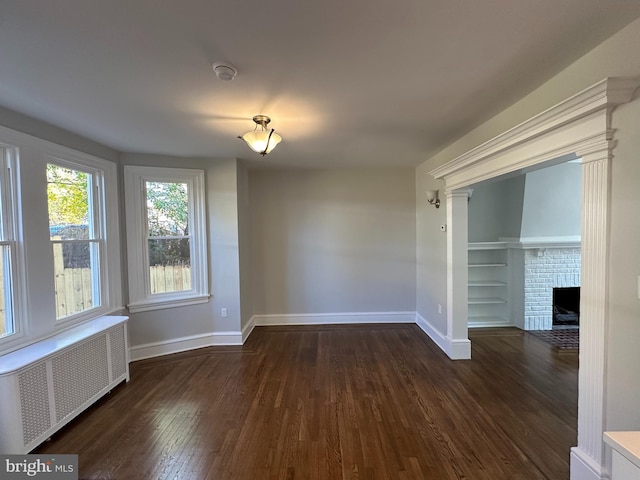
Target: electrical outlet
{"x":223,"y":312}
{"x":439,"y":308}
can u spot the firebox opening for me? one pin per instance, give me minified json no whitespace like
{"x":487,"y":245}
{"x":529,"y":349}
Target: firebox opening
{"x":566,"y":306}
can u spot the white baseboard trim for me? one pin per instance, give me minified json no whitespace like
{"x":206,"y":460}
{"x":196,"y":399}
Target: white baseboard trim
{"x":459,"y":348}
{"x":248,"y":328}
{"x":334,"y":318}
{"x":175,"y":345}
{"x":456,"y":349}
{"x":583,"y":467}
{"x":437,"y":337}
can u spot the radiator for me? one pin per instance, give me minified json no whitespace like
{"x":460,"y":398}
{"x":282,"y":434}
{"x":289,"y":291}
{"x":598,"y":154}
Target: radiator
{"x":47,"y":384}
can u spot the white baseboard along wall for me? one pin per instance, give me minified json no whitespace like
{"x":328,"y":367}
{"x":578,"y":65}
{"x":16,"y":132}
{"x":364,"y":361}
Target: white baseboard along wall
{"x":454,"y":348}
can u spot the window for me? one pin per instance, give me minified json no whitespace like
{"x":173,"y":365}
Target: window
{"x":60,"y":259}
{"x":75,"y":208}
{"x":8,"y":245}
{"x":166,"y":237}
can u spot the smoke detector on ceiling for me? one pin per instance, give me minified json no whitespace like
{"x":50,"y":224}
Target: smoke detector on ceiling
{"x":225,"y":71}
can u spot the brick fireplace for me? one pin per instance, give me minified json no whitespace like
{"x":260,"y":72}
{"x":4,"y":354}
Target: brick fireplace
{"x":544,"y":270}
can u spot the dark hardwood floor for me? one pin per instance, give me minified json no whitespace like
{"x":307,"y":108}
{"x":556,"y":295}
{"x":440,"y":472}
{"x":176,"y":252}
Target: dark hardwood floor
{"x":336,"y":402}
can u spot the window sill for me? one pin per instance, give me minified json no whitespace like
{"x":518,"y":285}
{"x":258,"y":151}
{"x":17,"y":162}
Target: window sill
{"x":167,"y":302}
{"x":48,"y":346}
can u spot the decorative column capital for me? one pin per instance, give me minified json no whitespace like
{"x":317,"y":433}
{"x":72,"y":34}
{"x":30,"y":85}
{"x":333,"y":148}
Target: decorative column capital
{"x":458,"y":193}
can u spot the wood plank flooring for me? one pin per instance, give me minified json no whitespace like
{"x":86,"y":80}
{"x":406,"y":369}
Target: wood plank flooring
{"x":336,"y":402}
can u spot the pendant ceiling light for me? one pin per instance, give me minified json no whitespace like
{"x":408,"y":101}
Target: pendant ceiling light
{"x":261,"y":139}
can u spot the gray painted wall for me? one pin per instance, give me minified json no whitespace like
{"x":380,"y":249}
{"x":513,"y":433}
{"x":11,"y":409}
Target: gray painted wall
{"x":552,"y":202}
{"x":495,"y":210}
{"x":331,"y":241}
{"x":513,"y":194}
{"x":431,"y":264}
{"x":485,"y":211}
{"x":542,"y":203}
{"x":623,"y":354}
{"x":244,"y":244}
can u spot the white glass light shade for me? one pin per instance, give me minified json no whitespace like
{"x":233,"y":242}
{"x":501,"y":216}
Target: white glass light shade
{"x":262,"y":141}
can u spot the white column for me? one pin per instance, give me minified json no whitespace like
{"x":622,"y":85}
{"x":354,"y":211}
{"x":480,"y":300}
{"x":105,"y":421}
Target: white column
{"x":596,"y":167}
{"x":457,"y":274}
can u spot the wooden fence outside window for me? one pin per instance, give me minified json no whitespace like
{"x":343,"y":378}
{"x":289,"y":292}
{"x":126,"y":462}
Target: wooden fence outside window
{"x":74,"y":291}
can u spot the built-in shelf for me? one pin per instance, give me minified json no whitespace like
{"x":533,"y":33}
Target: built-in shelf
{"x":488,"y":284}
{"x":488,"y":245}
{"x":477,"y":265}
{"x":486,"y":300}
{"x":488,"y":321}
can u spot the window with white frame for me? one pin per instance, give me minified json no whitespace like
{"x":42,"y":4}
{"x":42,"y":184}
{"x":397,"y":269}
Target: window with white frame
{"x":166,"y":237}
{"x":9,"y":322}
{"x":59,"y":239}
{"x":75,"y":228}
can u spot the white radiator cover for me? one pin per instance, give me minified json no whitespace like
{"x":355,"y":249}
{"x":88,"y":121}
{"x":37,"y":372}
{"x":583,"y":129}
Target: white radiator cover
{"x":46,"y":385}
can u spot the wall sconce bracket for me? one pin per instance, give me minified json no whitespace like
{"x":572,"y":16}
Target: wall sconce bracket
{"x":432,"y":198}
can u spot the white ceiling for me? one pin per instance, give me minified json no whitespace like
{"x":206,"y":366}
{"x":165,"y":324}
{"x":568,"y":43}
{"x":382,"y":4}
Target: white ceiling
{"x":346,"y":82}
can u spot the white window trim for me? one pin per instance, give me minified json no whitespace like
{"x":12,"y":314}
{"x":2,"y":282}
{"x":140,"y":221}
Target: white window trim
{"x":98,"y":206}
{"x":10,"y":191}
{"x":106,"y":174}
{"x":140,"y":297}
